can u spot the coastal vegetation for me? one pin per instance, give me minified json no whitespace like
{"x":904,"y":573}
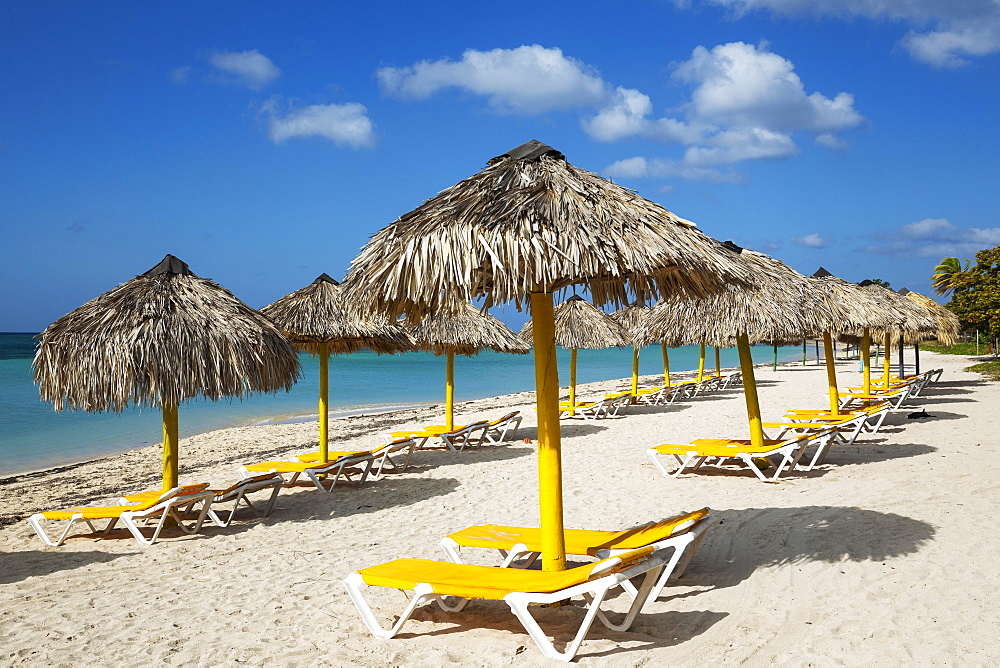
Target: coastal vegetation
{"x":975,"y":290}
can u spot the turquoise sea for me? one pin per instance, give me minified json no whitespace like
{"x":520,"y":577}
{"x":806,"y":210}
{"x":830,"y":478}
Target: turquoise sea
{"x":33,"y":436}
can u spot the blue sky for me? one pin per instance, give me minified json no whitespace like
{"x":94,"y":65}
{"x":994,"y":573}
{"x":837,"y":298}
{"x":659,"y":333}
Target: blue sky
{"x":262,"y":143}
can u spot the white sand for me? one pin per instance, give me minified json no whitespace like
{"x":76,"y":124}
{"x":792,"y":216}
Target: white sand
{"x":884,"y":556}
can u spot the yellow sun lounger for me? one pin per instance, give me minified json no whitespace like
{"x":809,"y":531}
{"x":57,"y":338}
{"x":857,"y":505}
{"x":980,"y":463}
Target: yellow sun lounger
{"x":518,"y":588}
{"x":316,"y":471}
{"x":163,"y":505}
{"x":235,"y":493}
{"x":682,"y":534}
{"x":381,"y":454}
{"x":455,"y":440}
{"x":503,"y":427}
{"x":719,"y":450}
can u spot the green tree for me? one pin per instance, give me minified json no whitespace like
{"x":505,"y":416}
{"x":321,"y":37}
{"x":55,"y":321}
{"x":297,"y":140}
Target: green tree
{"x":977,"y":293}
{"x":879,"y":281}
{"x":947,"y":274}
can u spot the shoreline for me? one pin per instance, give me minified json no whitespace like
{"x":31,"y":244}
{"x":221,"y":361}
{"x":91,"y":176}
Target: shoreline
{"x":139,"y":467}
{"x":279,"y":420}
{"x":33,"y":445}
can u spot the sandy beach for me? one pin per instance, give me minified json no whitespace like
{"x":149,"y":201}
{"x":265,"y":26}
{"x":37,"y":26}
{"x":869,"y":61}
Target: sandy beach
{"x":883,"y":556}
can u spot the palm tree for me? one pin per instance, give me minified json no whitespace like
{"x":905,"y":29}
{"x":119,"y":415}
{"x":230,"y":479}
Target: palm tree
{"x":946,"y":275}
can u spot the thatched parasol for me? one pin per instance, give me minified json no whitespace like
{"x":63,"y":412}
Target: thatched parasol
{"x":468,"y":333}
{"x":579,"y":325}
{"x":859,"y":313}
{"x":317,"y":321}
{"x":948,"y":327}
{"x":778,"y":306}
{"x":157,"y":340}
{"x":914,"y":321}
{"x":632,"y":318}
{"x":527,"y":225}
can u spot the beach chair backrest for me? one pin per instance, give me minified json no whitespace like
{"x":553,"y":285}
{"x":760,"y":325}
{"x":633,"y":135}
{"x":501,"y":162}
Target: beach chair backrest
{"x":620,"y":562}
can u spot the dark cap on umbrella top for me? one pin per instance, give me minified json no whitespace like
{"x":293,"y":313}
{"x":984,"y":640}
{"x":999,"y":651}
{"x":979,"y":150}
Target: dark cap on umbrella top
{"x":531,"y":150}
{"x":158,"y":339}
{"x":170,"y":265}
{"x":325,"y":278}
{"x":821,"y":273}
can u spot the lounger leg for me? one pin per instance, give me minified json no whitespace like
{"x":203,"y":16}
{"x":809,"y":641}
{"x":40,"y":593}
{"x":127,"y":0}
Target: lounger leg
{"x":698,"y":537}
{"x":353,"y":583}
{"x":649,"y":582}
{"x":368,"y":469}
{"x":276,"y":488}
{"x":36,"y":523}
{"x":518,"y":603}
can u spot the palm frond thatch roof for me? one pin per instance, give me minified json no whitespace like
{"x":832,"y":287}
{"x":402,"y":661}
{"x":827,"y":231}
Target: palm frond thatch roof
{"x":158,"y":339}
{"x":778,"y":306}
{"x":532,"y":222}
{"x":948,"y":325}
{"x":858,"y":309}
{"x":467,"y":333}
{"x":319,"y":313}
{"x":915,"y":320}
{"x":579,"y":325}
{"x":632,"y":318}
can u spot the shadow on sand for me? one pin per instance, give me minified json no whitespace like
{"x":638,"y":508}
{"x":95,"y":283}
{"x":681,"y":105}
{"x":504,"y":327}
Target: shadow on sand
{"x":17,"y":566}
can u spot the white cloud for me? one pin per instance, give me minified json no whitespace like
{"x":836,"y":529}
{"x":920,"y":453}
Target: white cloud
{"x":810,"y":241}
{"x":180,"y":75}
{"x":934,"y":238}
{"x":249,"y":68}
{"x":657,"y":168}
{"x":928,"y":228}
{"x":745,"y":104}
{"x":958,"y":28}
{"x":343,"y":124}
{"x":832,"y":142}
{"x":740,"y":85}
{"x":527,"y":79}
{"x":732,"y":146}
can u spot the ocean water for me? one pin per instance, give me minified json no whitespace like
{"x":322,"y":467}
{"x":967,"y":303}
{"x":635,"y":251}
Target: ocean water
{"x":34,"y":436}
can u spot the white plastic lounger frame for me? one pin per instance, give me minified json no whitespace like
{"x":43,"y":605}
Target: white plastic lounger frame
{"x":458,"y":439}
{"x":504,"y":428}
{"x":238,"y":493}
{"x":593,"y":591}
{"x":790,"y":452}
{"x":382,"y":455}
{"x":167,"y":507}
{"x":317,"y":472}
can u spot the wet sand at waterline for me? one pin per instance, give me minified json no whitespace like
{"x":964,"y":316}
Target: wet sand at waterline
{"x":885,"y":555}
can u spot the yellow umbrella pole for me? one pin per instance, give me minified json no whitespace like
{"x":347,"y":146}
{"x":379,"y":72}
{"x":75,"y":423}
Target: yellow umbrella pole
{"x":866,"y":352}
{"x":324,"y":413}
{"x":549,"y":447}
{"x":635,"y":371}
{"x":831,"y":373}
{"x":572,"y":382}
{"x":718,"y":366}
{"x":886,"y":359}
{"x":666,"y":365}
{"x":449,"y":391}
{"x":169,"y":446}
{"x":701,"y":363}
{"x":750,"y":391}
